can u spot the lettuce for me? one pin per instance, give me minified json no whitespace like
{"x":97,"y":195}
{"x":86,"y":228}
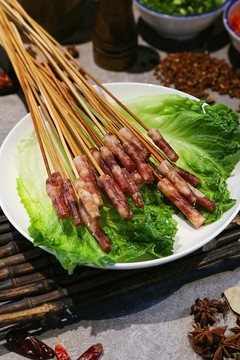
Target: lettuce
{"x":205,"y":141}
{"x":205,"y":138}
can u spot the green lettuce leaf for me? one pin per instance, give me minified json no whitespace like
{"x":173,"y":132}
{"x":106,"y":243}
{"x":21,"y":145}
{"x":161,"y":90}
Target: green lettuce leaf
{"x":205,"y":141}
{"x":149,"y":235}
{"x":205,"y":138}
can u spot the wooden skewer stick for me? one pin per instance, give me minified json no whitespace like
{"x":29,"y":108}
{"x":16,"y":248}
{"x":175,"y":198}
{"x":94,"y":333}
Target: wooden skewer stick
{"x":63,"y":107}
{"x":96,"y":107}
{"x":14,"y":62}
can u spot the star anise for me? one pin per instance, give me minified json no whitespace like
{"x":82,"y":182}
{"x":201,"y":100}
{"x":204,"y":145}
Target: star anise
{"x":236,"y":329}
{"x":238,"y":320}
{"x":227,"y":346}
{"x":204,"y":340}
{"x":204,"y":311}
{"x":222,"y":307}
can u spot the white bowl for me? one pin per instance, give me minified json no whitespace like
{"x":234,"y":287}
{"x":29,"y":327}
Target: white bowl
{"x":232,"y":8}
{"x":187,"y":239}
{"x":178,"y":27}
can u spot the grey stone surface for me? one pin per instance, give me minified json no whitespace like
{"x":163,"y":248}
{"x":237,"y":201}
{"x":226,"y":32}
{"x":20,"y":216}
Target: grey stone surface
{"x":151,"y":323}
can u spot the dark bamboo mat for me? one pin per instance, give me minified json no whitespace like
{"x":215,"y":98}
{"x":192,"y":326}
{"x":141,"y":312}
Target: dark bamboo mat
{"x":34,"y":286}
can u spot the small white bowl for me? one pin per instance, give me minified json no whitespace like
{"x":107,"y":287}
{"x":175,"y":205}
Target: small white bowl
{"x":178,"y":27}
{"x":232,"y":8}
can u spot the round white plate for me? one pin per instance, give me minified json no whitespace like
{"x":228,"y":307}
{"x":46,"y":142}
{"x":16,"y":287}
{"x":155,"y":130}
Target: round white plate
{"x":187,"y":240}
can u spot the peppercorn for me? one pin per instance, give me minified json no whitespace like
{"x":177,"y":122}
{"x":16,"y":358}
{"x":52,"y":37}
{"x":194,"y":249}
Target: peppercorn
{"x":193,"y":72}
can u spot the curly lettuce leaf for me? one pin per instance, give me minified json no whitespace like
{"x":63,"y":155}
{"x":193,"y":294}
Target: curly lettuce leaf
{"x":149,"y":235}
{"x":205,"y":138}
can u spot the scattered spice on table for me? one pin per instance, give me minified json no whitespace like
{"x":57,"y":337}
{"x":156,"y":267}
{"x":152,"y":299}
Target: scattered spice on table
{"x":61,"y":353}
{"x":93,"y":353}
{"x":31,"y":52}
{"x":6,"y":84}
{"x":23,"y":343}
{"x":213,"y":344}
{"x":232,"y":294}
{"x":226,"y":347}
{"x":192,"y":72}
{"x":204,"y":311}
{"x":203,"y":340}
{"x":219,"y":342}
{"x":72,"y":50}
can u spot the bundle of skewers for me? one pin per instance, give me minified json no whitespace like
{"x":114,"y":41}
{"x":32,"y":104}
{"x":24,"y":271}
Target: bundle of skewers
{"x":107,"y":154}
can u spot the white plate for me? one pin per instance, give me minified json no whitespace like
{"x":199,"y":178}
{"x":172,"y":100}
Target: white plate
{"x":187,"y":240}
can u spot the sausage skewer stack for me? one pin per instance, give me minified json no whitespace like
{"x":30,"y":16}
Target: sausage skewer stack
{"x":104,"y":149}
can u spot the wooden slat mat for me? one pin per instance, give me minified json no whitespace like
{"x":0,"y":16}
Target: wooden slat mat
{"x":34,"y":286}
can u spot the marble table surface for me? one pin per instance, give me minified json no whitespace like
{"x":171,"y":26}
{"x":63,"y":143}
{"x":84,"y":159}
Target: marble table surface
{"x":153,"y":322}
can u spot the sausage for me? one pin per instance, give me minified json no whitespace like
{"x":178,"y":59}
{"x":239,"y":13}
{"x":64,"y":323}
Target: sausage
{"x":202,"y":199}
{"x":116,"y":170}
{"x":95,"y":229}
{"x":138,"y":179}
{"x":54,"y":191}
{"x":71,"y":202}
{"x":85,"y":172}
{"x":182,"y":204}
{"x":134,"y":191}
{"x":140,"y":146}
{"x":108,"y":184}
{"x":86,"y":198}
{"x":96,"y":154}
{"x":186,"y":175}
{"x":137,"y":157}
{"x":115,"y":147}
{"x":162,"y":144}
{"x":167,"y":170}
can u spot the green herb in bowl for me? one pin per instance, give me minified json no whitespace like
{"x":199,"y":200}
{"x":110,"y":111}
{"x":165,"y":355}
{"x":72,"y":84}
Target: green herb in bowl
{"x":182,"y":7}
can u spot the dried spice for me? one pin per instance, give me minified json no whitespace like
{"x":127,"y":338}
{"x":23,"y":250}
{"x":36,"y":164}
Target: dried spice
{"x":212,"y":344}
{"x":204,"y":311}
{"x":93,"y":353}
{"x":28,"y":345}
{"x":232,"y":295}
{"x":227,"y":346}
{"x":6,"y":84}
{"x":191,"y":72}
{"x":204,"y":341}
{"x":237,"y":217}
{"x":61,"y":353}
{"x":72,"y":50}
{"x":31,"y":52}
{"x":236,"y":329}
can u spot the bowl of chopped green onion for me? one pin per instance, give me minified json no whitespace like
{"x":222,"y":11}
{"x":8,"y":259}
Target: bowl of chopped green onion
{"x":180,"y":19}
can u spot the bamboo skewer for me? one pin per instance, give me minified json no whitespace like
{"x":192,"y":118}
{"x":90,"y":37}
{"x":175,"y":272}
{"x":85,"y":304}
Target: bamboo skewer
{"x":60,"y":59}
{"x":58,"y":87}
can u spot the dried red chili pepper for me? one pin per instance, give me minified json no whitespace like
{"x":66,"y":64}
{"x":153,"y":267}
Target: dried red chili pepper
{"x":23,"y":343}
{"x":61,"y":353}
{"x":93,"y":353}
{"x":6,"y":84}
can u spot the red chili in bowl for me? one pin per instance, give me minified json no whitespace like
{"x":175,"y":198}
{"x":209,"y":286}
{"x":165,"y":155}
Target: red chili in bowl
{"x":235,"y":23}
